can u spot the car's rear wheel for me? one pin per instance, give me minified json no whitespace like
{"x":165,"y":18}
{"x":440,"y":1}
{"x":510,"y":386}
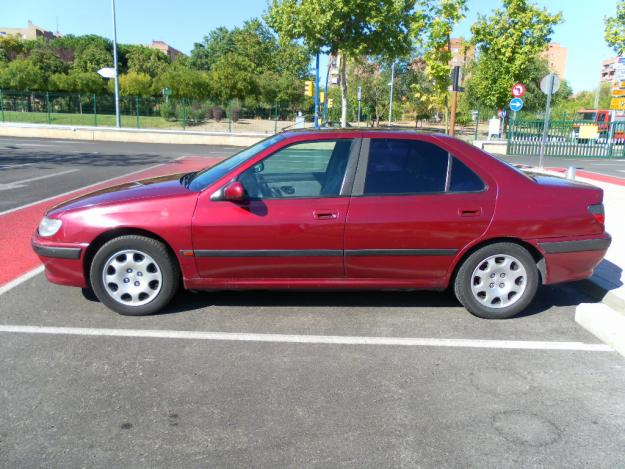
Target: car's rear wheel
{"x":497,"y":281}
{"x":134,"y":275}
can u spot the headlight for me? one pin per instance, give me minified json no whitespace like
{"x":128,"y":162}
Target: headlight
{"x":49,"y":226}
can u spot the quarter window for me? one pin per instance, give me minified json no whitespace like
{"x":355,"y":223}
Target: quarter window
{"x":463,"y":179}
{"x":305,"y":169}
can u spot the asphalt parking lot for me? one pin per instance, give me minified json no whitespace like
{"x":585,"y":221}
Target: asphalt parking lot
{"x":260,"y":379}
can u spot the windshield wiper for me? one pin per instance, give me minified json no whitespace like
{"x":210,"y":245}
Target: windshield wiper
{"x":186,"y":179}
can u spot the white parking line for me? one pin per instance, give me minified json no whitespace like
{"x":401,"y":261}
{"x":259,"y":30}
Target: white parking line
{"x":309,"y":339}
{"x":15,"y":165}
{"x":21,"y":279}
{"x":11,"y":210}
{"x":18,"y":184}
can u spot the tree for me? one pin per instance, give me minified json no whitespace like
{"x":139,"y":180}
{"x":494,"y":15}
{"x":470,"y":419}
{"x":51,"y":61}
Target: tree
{"x":184,"y":83}
{"x":373,"y":78}
{"x":615,"y":29}
{"x":92,"y":59}
{"x":145,"y":60}
{"x":135,"y":84}
{"x":21,"y":75}
{"x":438,"y":19}
{"x":508,"y":42}
{"x":46,"y":60}
{"x":77,"y":82}
{"x":233,"y":76}
{"x":10,"y":48}
{"x":351,"y":28}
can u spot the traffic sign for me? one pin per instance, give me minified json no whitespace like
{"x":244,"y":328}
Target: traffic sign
{"x":544,"y":84}
{"x":617,"y":104}
{"x":502,"y":113}
{"x":618,"y":93}
{"x":518,"y":90}
{"x":107,"y":72}
{"x":516,"y":104}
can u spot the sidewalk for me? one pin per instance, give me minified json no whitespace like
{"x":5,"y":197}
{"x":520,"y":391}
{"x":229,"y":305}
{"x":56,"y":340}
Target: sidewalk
{"x":606,"y":319}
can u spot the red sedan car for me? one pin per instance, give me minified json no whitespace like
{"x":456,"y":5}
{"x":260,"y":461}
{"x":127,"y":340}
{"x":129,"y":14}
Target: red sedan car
{"x":343,"y":209}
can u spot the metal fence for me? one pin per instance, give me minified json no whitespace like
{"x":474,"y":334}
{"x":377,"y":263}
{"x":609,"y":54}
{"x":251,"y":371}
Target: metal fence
{"x":567,"y":138}
{"x":142,"y":112}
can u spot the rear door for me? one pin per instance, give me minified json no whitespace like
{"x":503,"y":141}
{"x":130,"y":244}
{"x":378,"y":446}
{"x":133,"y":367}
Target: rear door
{"x":414,"y":206}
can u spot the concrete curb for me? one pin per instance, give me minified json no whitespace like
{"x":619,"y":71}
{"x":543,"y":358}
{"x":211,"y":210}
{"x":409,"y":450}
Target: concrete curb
{"x":125,"y":135}
{"x":603,"y":322}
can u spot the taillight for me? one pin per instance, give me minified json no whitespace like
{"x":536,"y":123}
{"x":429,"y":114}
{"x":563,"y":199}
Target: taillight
{"x":598,"y":212}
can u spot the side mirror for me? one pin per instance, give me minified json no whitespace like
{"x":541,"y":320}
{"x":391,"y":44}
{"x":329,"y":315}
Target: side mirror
{"x":234,"y":192}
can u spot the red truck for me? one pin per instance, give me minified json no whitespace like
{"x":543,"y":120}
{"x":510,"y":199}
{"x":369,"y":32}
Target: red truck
{"x":603,"y":118}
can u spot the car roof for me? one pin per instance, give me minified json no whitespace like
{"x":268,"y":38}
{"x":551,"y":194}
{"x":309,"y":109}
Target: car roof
{"x":361,"y":132}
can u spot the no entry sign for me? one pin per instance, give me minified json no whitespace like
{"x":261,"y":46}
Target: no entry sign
{"x":518,"y":90}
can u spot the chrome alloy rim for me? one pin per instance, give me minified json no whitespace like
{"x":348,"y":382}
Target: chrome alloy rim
{"x":132,"y":277}
{"x":499,"y":281}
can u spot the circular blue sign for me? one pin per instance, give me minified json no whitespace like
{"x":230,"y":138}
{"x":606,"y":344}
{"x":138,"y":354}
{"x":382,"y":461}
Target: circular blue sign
{"x":516,"y":104}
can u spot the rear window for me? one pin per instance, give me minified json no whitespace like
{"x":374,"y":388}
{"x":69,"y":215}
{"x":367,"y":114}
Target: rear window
{"x":586,"y":116}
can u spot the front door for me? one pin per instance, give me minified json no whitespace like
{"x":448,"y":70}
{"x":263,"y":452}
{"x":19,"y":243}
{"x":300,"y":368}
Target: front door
{"x":292,"y":223}
{"x":414,"y":207}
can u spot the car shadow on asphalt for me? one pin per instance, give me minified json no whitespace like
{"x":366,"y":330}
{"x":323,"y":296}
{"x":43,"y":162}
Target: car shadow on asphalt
{"x":548,"y":297}
{"x":42,"y":160}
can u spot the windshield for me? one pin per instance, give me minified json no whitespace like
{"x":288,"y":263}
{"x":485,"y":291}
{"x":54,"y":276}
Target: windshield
{"x":210,"y":175}
{"x":586,"y":116}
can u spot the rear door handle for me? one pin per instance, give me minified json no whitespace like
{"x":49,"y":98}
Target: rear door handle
{"x":325,"y":214}
{"x":470,"y":212}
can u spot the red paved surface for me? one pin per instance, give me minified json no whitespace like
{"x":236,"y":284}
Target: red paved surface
{"x":595,"y":176}
{"x":17,"y":227}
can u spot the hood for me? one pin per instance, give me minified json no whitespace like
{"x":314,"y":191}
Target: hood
{"x":158,"y":187}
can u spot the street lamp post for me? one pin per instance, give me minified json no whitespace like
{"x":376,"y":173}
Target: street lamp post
{"x":117,"y":116}
{"x":390,"y":104}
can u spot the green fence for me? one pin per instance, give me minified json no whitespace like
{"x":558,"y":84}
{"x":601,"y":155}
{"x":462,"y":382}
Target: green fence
{"x":142,"y":112}
{"x":567,"y":138}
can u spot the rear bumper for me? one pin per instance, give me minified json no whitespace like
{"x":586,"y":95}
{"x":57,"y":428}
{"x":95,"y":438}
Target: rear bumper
{"x":63,"y":262}
{"x":567,"y":260}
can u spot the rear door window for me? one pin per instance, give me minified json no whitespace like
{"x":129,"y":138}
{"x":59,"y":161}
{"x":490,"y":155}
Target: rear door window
{"x":402,"y":166}
{"x":412,"y":167}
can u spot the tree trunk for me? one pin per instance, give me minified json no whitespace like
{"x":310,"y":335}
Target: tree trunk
{"x":343,"y":78}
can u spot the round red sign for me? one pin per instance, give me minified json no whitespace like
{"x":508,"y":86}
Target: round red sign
{"x":518,"y":90}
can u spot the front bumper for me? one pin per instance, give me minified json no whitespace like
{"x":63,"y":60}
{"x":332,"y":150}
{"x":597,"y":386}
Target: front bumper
{"x":63,"y":262}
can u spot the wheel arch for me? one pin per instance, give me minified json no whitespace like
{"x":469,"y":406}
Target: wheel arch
{"x":106,"y":236}
{"x":534,"y":252}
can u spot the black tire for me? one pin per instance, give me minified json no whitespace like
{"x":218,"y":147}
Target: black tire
{"x":465,"y":280}
{"x":166,"y":263}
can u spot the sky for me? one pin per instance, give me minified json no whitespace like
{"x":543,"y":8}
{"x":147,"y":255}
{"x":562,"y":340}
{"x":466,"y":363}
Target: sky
{"x":183,"y":23}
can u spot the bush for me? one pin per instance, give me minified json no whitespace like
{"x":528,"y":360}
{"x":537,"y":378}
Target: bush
{"x":235,"y":114}
{"x":218,"y":113}
{"x":168,"y":112}
{"x":196,"y":116}
{"x":208,"y":112}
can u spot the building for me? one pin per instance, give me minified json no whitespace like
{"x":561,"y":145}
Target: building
{"x":556,"y":56}
{"x":334,"y":78}
{"x":31,"y":31}
{"x":462,"y":51}
{"x":608,"y":68}
{"x":166,"y":49}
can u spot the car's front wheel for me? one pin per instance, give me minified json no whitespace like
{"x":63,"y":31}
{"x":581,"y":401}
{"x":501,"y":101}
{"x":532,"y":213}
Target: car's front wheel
{"x":134,"y":275}
{"x":497,"y":281}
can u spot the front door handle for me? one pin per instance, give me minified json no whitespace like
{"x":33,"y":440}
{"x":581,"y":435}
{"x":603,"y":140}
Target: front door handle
{"x":325,"y":214}
{"x":470,"y":212}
